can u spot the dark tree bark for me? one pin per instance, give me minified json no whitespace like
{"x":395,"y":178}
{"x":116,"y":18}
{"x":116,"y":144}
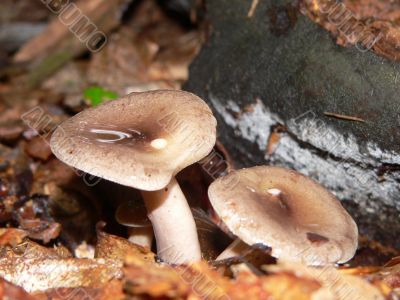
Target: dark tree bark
{"x":272,"y":78}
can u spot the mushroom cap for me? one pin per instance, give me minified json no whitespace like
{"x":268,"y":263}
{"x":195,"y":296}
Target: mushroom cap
{"x":287,"y":211}
{"x":132,"y":214}
{"x":141,"y":140}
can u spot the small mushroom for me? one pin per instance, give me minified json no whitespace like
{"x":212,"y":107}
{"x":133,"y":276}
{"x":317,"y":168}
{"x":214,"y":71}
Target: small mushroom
{"x":233,"y":250}
{"x":134,"y":215}
{"x":143,"y":140}
{"x":287,"y":211}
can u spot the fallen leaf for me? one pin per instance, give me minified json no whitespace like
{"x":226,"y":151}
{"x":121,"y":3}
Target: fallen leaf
{"x":40,"y":275}
{"x":337,"y":284}
{"x":110,"y":291}
{"x":283,"y":286}
{"x":155,"y":281}
{"x":11,"y":292}
{"x":33,"y":216}
{"x":11,"y":236}
{"x":349,"y":287}
{"x":38,"y":148}
{"x":41,"y":230}
{"x":56,"y":45}
{"x":38,"y":268}
{"x":391,"y":276}
{"x":10,"y":132}
{"x":195,"y":281}
{"x":113,"y":247}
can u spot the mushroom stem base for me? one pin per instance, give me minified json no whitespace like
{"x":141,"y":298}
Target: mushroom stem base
{"x":173,"y":224}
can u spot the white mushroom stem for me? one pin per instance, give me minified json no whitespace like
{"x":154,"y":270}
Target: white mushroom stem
{"x":142,"y":236}
{"x":236,"y":248}
{"x":173,"y":224}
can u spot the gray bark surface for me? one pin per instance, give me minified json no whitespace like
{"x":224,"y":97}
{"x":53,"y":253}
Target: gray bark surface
{"x":279,"y":68}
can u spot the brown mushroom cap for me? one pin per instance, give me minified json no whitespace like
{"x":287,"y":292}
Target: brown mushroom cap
{"x":141,"y":140}
{"x":287,"y":211}
{"x":132,"y":214}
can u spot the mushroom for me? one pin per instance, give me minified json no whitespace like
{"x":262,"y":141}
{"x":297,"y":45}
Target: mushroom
{"x":143,"y":140}
{"x":287,"y":211}
{"x":234,"y":249}
{"x":134,"y":215}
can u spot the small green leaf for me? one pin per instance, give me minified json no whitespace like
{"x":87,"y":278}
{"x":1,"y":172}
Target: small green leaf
{"x":97,"y":95}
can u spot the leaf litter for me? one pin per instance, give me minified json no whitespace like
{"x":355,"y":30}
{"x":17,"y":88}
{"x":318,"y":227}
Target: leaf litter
{"x":58,"y":236}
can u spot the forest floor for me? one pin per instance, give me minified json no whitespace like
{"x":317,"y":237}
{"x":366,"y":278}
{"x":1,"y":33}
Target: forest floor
{"x":58,"y":236}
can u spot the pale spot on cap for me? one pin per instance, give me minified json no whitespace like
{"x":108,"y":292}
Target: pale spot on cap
{"x":274,"y":192}
{"x":159,"y":143}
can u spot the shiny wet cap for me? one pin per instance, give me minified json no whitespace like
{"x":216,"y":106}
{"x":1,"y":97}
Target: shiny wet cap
{"x":141,"y":140}
{"x":287,"y":211}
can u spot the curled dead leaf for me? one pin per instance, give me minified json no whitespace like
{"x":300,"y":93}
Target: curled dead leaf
{"x":113,"y":247}
{"x":38,"y":268}
{"x":40,"y":275}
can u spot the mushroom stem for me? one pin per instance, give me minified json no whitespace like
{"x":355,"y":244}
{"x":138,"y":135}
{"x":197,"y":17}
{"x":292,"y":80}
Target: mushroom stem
{"x":142,"y":236}
{"x":173,"y":224}
{"x":236,"y":248}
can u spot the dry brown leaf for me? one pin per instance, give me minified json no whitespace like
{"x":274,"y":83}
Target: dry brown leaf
{"x":38,"y":268}
{"x":35,"y":222}
{"x":29,"y":250}
{"x":386,"y":278}
{"x":38,"y":148}
{"x":196,"y":281}
{"x":10,"y":132}
{"x":110,"y":291}
{"x":155,"y":281}
{"x":379,"y":19}
{"x":205,"y":282}
{"x":119,"y":64}
{"x":337,"y":284}
{"x":57,"y":36}
{"x":360,"y":271}
{"x":11,"y":236}
{"x":41,"y":230}
{"x":71,"y":203}
{"x":273,"y":141}
{"x":394,"y":261}
{"x":113,"y":247}
{"x":349,"y":287}
{"x":281,"y":286}
{"x":200,"y":281}
{"x":11,"y":292}
{"x":391,"y":276}
{"x":40,"y":275}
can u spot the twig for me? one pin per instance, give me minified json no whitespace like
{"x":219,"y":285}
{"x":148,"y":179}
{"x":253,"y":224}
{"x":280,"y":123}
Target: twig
{"x":252,"y":8}
{"x":344,"y":117}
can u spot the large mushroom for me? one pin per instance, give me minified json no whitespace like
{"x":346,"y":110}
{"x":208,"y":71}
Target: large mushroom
{"x":287,"y":211}
{"x":143,"y":140}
